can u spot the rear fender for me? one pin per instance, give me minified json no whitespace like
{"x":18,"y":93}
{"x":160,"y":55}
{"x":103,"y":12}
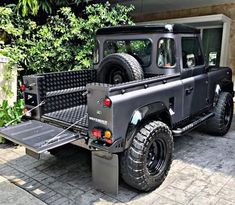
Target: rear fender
{"x":227,"y":86}
{"x":223,"y":86}
{"x":226,"y":83}
{"x":154,"y":111}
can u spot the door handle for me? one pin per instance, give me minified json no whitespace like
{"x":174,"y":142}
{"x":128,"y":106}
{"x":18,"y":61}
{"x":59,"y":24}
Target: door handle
{"x":188,"y":90}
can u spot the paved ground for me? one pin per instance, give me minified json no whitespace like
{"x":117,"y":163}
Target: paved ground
{"x":203,"y":172}
{"x":11,"y":194}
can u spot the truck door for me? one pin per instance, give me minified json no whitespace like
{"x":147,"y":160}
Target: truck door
{"x":194,"y":77}
{"x":188,"y":90}
{"x":200,"y":91}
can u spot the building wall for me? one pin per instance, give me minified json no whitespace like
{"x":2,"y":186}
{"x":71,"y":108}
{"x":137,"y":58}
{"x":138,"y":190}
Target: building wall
{"x":12,"y":83}
{"x":226,"y":9}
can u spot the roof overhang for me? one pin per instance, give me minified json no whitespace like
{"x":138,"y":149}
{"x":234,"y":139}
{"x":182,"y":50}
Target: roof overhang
{"x":149,"y":28}
{"x":197,"y":21}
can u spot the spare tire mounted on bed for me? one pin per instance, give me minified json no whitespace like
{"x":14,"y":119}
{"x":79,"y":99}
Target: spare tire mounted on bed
{"x":119,"y":68}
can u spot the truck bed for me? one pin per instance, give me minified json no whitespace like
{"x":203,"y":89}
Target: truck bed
{"x":69,"y":116}
{"x":62,"y":103}
{"x":72,"y":106}
{"x":63,"y":96}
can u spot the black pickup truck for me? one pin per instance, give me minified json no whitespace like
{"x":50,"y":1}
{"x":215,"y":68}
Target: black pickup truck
{"x":149,"y":83}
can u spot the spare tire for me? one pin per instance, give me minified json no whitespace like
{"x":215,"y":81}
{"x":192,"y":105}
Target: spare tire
{"x":119,"y":68}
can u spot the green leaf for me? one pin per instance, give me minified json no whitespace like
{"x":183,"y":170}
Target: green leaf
{"x":9,"y":113}
{"x":5,"y":104}
{"x":2,"y":114}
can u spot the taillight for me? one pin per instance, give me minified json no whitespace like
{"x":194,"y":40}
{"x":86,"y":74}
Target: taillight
{"x":23,"y":88}
{"x":27,"y":113}
{"x":107,"y":102}
{"x":25,"y":110}
{"x":108,"y":141}
{"x":103,"y":135}
{"x":107,"y":134}
{"x":96,"y":133}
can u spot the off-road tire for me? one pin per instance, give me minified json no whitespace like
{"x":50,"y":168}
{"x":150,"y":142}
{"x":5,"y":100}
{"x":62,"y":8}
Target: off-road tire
{"x":129,"y":68}
{"x":134,"y":161}
{"x":218,"y":125}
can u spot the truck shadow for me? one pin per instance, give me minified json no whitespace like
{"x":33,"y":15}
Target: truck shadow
{"x":67,"y":176}
{"x":212,"y":153}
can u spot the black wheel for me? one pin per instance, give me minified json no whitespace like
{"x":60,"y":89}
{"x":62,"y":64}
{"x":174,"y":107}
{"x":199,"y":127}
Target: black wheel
{"x":146,"y":163}
{"x":119,"y":68}
{"x":221,"y":122}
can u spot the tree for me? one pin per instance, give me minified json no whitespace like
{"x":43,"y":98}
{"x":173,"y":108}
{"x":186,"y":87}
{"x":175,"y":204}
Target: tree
{"x":64,"y":42}
{"x":27,"y":7}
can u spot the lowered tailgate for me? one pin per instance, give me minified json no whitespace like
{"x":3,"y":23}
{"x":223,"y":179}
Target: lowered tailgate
{"x":38,"y":136}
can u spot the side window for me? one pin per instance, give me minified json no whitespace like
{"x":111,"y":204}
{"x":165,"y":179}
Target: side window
{"x":191,"y":52}
{"x":166,"y":53}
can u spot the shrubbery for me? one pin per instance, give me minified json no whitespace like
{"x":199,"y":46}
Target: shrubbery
{"x":64,"y":42}
{"x":11,"y":114}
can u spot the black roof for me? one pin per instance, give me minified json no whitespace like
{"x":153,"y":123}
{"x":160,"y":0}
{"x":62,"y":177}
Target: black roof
{"x":149,"y":28}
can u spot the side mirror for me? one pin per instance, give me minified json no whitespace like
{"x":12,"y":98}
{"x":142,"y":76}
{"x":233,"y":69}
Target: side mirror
{"x":190,"y":60}
{"x":212,"y":59}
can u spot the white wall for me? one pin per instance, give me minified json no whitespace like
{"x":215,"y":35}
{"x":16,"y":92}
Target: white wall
{"x":13,"y":83}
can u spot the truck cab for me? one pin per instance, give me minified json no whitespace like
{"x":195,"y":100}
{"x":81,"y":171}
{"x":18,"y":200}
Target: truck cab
{"x":160,"y":49}
{"x":163,"y":49}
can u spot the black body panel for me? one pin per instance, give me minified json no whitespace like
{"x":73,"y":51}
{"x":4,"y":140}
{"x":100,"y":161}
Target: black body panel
{"x":182,"y":101}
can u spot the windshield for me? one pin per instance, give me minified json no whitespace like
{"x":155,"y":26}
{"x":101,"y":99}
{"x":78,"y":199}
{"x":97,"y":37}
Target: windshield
{"x":139,"y":49}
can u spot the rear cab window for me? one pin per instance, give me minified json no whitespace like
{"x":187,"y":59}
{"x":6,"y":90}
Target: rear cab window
{"x":140,"y":49}
{"x":96,"y":56}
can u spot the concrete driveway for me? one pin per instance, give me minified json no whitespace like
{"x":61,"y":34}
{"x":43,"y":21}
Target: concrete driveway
{"x":203,"y":172}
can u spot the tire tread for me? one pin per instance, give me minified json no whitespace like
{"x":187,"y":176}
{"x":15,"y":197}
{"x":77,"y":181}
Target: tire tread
{"x":132,"y":161}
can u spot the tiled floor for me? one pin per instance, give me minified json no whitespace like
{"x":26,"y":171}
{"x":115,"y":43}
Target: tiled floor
{"x":203,"y":172}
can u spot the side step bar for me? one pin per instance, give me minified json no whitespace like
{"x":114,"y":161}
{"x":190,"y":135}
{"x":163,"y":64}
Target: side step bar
{"x":191,"y":126}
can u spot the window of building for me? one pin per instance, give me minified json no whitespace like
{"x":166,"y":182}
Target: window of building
{"x":191,"y":52}
{"x":166,"y":53}
{"x":139,"y":49}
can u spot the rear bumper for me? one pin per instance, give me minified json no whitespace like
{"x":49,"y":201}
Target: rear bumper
{"x":116,"y":147}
